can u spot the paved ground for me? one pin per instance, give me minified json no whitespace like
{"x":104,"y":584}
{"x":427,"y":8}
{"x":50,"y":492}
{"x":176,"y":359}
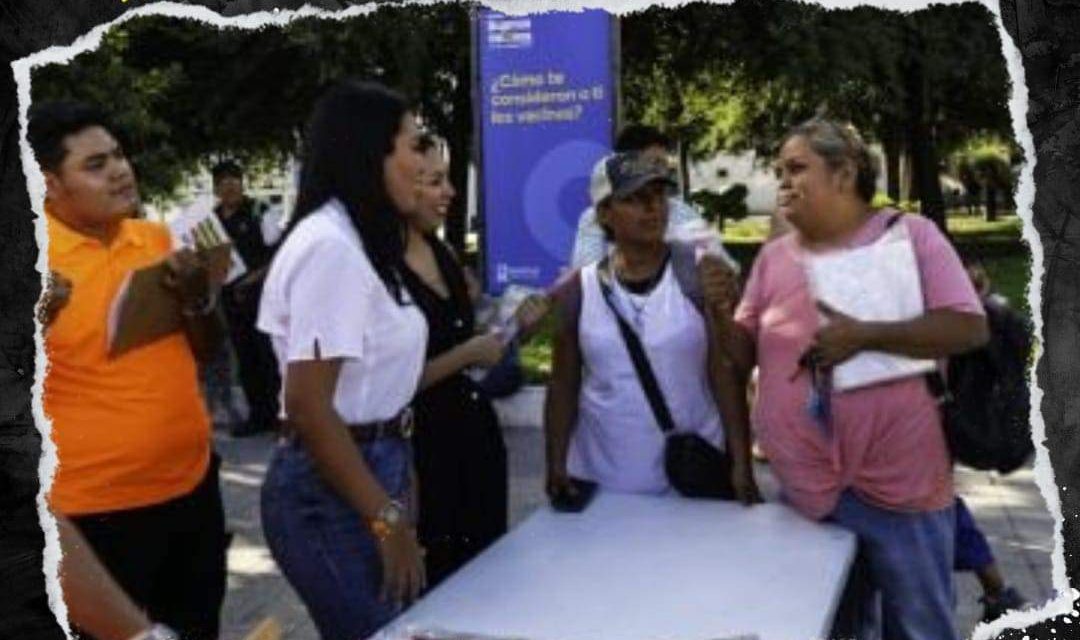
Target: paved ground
{"x":1010,"y":510}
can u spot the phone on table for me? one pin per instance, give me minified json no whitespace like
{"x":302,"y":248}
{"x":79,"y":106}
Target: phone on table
{"x":567,"y":502}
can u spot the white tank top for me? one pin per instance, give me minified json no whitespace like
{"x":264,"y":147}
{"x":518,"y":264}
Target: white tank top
{"x":617,"y":441}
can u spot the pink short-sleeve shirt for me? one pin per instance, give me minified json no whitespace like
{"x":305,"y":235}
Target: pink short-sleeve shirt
{"x":887,"y":442}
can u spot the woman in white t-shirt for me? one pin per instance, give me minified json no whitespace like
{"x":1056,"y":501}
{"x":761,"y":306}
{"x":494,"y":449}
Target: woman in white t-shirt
{"x":599,"y":421}
{"x":336,"y":503}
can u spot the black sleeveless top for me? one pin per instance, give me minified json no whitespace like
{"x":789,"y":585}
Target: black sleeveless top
{"x":458,"y":448}
{"x":450,"y":320}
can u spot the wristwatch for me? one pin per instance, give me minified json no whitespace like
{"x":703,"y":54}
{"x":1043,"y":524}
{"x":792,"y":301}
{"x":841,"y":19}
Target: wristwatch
{"x":390,"y":517}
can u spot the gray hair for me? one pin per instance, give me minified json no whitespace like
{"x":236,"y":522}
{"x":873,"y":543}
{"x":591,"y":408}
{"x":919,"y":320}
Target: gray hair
{"x":838,"y":144}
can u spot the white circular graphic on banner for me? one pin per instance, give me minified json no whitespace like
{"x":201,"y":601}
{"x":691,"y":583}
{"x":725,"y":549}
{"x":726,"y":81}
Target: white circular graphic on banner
{"x":571,"y":161}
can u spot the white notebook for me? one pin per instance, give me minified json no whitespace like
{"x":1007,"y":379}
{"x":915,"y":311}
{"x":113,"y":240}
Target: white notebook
{"x":878,"y":282}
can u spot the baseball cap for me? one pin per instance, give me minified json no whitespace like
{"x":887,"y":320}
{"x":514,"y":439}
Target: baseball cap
{"x":621,"y":174}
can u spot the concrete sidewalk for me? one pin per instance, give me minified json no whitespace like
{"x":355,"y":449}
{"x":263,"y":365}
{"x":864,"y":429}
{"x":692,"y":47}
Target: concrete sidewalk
{"x":1010,"y":511}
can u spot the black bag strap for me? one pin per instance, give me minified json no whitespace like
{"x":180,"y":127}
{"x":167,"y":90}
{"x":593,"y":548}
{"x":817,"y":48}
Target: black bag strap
{"x":637,"y":356}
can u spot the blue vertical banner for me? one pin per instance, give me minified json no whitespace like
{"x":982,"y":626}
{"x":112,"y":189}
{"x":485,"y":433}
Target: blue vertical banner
{"x":546,"y":87}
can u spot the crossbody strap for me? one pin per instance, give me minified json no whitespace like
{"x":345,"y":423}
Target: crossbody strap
{"x":637,"y":356}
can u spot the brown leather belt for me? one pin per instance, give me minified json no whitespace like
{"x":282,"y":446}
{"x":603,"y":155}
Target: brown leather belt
{"x":400,"y":426}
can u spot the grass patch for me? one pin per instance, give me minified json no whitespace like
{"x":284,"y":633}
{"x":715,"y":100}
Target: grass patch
{"x":963,"y":228}
{"x":968,"y":226}
{"x":536,"y":353}
{"x":749,"y":230}
{"x":1009,"y":276}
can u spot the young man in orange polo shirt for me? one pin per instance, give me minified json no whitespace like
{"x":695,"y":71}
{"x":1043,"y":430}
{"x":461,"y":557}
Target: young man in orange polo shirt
{"x":136,"y":472}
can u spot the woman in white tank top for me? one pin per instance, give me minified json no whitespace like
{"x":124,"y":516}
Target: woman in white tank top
{"x":598,"y":420}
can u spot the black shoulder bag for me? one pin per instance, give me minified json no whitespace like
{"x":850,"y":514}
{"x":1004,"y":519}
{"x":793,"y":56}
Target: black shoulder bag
{"x":694,"y":467}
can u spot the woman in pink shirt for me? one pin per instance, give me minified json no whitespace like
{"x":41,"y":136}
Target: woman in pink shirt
{"x":874,"y":459}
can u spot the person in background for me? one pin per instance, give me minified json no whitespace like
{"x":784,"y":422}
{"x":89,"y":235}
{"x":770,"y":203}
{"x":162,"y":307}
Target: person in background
{"x":973,"y":551}
{"x":598,"y":422}
{"x":216,"y":377}
{"x":137,"y":476}
{"x":590,"y":242}
{"x":337,"y":502}
{"x":872,"y":460}
{"x":243,"y":219}
{"x":459,"y":450}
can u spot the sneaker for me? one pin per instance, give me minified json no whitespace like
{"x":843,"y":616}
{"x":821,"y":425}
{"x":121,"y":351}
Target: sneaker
{"x":995,"y":606}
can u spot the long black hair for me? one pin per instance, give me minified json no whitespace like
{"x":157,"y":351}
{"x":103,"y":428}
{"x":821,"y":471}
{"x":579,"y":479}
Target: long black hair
{"x":349,"y":135}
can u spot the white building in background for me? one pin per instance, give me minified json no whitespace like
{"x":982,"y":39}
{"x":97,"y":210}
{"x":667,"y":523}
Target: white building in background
{"x":725,"y":170}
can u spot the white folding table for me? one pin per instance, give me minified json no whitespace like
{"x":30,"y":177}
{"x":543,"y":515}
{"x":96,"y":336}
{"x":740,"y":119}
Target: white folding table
{"x":649,"y":568}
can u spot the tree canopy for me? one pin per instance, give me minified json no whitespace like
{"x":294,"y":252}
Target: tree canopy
{"x":721,"y":77}
{"x":737,"y":77}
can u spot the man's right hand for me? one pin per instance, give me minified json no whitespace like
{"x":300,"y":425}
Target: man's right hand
{"x":188,"y":276}
{"x":55,"y":297}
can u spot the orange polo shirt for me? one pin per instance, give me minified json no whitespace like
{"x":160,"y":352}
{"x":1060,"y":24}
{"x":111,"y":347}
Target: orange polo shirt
{"x":130,"y":431}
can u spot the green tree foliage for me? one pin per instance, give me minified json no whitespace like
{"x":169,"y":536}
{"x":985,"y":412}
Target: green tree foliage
{"x":735,"y":77}
{"x":721,"y":77}
{"x":730,"y":204}
{"x":189,"y":94}
{"x":984,"y":166}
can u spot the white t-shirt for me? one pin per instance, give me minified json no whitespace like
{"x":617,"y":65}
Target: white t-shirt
{"x":617,"y":441}
{"x":322,"y":289}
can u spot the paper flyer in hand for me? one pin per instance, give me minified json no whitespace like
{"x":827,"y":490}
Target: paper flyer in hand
{"x":198,"y":228}
{"x":876,"y":283}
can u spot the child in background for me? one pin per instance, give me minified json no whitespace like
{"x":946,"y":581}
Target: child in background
{"x":973,"y":551}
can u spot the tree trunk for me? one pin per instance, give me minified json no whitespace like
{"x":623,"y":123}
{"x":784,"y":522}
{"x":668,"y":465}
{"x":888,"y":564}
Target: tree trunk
{"x":459,"y":140}
{"x":991,"y":203}
{"x":921,"y":134}
{"x":684,"y":169}
{"x":891,"y":143}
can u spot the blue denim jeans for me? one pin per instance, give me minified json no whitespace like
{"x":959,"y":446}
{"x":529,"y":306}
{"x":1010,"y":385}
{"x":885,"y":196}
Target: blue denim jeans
{"x":323,"y":546}
{"x":901,"y":585}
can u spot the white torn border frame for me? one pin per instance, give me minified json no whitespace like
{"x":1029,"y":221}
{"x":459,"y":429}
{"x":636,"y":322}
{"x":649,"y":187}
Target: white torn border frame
{"x":1025,"y":198}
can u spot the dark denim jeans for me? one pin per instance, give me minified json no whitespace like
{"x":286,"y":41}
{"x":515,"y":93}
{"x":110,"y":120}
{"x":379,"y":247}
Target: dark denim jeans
{"x":323,"y":546}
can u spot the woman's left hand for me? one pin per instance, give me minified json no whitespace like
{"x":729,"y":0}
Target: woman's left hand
{"x":742,"y":481}
{"x":840,"y":339}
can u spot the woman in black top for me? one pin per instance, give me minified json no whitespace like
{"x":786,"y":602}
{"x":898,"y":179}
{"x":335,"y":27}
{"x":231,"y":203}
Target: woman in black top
{"x":459,"y":451}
